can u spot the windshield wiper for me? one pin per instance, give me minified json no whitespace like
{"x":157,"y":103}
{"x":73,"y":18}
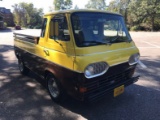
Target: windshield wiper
{"x":119,"y":39}
{"x":98,"y":42}
{"x":115,"y":39}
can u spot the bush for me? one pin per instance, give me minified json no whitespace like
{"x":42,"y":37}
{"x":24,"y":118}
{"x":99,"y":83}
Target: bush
{"x":30,"y":27}
{"x":157,"y":27}
{"x":135,"y":28}
{"x":128,"y":27}
{"x":37,"y":27}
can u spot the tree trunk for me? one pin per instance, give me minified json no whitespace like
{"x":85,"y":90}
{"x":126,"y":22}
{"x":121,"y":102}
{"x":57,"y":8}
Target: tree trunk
{"x":152,"y":23}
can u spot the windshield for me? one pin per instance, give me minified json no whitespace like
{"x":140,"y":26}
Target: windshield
{"x":92,"y":29}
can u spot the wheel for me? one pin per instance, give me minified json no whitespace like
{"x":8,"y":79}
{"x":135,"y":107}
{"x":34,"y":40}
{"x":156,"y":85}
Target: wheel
{"x":54,"y":88}
{"x":23,"y":69}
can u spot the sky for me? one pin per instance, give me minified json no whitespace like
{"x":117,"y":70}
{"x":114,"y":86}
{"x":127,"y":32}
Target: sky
{"x":45,"y":4}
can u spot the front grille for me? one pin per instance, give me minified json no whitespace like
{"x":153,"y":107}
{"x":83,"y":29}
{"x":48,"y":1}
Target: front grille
{"x":114,"y":77}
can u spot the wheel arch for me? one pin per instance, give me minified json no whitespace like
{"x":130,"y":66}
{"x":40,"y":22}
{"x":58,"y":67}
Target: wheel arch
{"x":17,"y":52}
{"x":53,"y":73}
{"x":49,"y":71}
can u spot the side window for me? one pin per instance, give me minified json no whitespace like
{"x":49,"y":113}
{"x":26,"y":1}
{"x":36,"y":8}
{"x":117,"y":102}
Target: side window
{"x":44,"y":27}
{"x":59,"y":28}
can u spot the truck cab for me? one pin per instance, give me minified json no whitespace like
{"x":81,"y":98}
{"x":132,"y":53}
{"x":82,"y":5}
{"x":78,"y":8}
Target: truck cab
{"x":84,"y":53}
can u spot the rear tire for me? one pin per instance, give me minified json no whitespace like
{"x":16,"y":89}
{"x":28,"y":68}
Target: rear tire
{"x":22,"y":68}
{"x":54,"y":88}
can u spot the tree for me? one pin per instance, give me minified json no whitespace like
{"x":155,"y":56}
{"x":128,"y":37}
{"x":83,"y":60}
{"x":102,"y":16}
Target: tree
{"x":26,"y":15}
{"x":141,"y":14}
{"x":51,"y":8}
{"x":120,"y":6}
{"x":145,"y":11}
{"x":17,"y":14}
{"x":96,"y":4}
{"x":62,"y":4}
{"x":76,"y":7}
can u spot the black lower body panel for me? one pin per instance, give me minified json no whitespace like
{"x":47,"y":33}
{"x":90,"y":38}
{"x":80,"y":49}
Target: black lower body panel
{"x":116,"y":76}
{"x":100,"y":94}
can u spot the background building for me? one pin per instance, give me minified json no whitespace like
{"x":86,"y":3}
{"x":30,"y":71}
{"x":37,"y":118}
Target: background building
{"x":6,"y":16}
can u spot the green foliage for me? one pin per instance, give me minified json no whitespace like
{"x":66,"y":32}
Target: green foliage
{"x":135,"y":28}
{"x":145,"y":11}
{"x":62,"y":4}
{"x":142,"y":13}
{"x":119,"y":6}
{"x":96,"y":4}
{"x":25,"y":14}
{"x":157,"y":24}
{"x":38,"y":27}
{"x":5,"y":24}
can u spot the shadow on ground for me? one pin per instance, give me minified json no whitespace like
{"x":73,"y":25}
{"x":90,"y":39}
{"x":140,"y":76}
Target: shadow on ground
{"x":5,"y":30}
{"x":25,"y":97}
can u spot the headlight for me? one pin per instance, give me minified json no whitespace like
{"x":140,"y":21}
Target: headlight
{"x":134,"y":59}
{"x":96,"y":69}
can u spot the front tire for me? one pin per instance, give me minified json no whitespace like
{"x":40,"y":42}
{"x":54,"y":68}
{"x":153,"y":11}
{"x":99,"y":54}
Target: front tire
{"x":22,"y":68}
{"x":54,"y":88}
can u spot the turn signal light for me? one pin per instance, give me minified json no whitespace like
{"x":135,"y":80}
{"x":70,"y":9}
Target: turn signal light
{"x":82,"y":89}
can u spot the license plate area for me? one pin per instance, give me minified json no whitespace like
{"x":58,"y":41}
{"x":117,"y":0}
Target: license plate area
{"x":119,"y":90}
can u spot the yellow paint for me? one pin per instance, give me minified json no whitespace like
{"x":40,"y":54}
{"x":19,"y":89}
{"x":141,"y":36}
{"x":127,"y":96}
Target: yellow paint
{"x":68,"y":55}
{"x":113,"y":54}
{"x":119,"y":90}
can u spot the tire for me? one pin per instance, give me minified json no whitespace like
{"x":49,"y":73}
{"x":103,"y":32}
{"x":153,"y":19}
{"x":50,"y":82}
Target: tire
{"x":22,"y":68}
{"x":54,"y":88}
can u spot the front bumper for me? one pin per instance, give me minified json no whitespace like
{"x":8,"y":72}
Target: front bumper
{"x":99,"y":94}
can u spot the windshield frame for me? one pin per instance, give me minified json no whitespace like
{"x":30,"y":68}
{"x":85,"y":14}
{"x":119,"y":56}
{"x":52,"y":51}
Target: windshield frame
{"x":129,"y":39}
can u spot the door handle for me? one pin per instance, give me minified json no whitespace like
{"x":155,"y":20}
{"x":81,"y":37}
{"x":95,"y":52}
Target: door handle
{"x":46,"y":52}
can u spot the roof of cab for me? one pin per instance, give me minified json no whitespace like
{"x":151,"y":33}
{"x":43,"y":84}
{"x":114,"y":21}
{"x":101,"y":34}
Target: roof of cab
{"x":79,"y":10}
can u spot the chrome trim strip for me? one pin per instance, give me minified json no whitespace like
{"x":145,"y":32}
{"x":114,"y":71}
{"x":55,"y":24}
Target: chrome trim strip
{"x":133,"y":63}
{"x":119,"y":63}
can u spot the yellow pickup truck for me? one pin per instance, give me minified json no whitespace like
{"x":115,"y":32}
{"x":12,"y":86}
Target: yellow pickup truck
{"x":84,"y":53}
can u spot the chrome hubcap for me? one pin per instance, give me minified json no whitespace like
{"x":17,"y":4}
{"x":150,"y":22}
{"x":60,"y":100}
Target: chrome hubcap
{"x":53,"y":88}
